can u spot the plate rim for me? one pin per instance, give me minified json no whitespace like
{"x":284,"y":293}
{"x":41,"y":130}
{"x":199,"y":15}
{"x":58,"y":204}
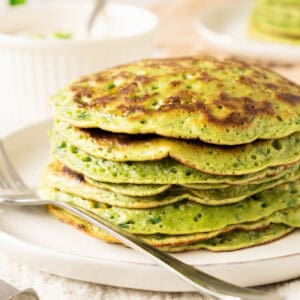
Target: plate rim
{"x":56,"y":252}
{"x":26,"y":248}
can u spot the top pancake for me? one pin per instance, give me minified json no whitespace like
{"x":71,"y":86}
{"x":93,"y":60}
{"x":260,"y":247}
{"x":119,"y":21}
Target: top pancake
{"x":220,"y":102}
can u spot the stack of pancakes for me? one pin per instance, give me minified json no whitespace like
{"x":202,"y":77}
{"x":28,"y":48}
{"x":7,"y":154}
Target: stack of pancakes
{"x":277,"y":20}
{"x":186,"y":153}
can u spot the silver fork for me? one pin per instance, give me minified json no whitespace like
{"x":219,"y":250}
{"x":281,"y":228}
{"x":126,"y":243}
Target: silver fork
{"x":98,"y":6}
{"x":7,"y":291}
{"x":13,"y":191}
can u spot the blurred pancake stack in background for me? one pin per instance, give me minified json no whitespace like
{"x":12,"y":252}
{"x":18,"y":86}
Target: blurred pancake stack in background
{"x":276,"y":20}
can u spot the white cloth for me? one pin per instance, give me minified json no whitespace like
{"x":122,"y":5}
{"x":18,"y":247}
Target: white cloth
{"x":51,"y":287}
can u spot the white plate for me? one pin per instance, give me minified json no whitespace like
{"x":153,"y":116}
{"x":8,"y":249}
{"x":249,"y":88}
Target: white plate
{"x":224,"y":27}
{"x":30,"y":236}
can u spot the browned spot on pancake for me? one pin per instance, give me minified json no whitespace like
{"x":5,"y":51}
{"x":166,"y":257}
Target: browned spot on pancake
{"x":99,"y":77}
{"x":114,"y":138}
{"x":82,"y":91}
{"x":173,"y":100}
{"x":184,"y":100}
{"x":289,"y":98}
{"x":128,"y":110}
{"x":144,"y":79}
{"x":206,"y":77}
{"x":224,"y":103}
{"x":134,"y":139}
{"x":246,"y":110}
{"x":138,"y":98}
{"x":80,"y":226}
{"x":79,"y":92}
{"x":259,"y":75}
{"x":72,"y":173}
{"x":101,"y":101}
{"x":271,"y":86}
{"x":246,"y":80}
{"x":224,"y":96}
{"x":128,"y":89}
{"x":243,"y":109}
{"x":175,"y":83}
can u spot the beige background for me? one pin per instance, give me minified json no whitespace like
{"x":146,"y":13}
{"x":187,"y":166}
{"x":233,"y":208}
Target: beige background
{"x":178,"y":37}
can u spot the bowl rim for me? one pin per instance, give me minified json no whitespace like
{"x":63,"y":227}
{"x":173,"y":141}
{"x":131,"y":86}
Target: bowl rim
{"x":7,"y":39}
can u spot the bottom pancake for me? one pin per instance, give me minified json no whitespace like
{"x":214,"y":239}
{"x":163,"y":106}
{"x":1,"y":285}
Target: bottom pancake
{"x":236,"y":240}
{"x":228,"y":239}
{"x":190,"y":218}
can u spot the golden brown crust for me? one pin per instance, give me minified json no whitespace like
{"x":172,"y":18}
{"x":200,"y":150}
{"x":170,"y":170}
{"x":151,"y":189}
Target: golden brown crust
{"x":223,"y":102}
{"x":57,"y":213}
{"x":129,"y":100}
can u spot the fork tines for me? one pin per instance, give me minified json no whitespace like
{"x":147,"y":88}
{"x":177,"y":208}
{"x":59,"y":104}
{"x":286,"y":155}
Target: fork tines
{"x":9,"y":179}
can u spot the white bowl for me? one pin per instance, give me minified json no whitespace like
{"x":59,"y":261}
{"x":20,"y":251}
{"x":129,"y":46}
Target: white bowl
{"x":32,"y":69}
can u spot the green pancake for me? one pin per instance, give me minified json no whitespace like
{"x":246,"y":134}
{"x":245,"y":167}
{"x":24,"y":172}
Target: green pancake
{"x":236,"y":240}
{"x":164,"y":241}
{"x":272,"y":174}
{"x":296,"y":3}
{"x":165,"y":171}
{"x":207,"y":186}
{"x":59,"y":177}
{"x":207,"y":158}
{"x":256,"y":33}
{"x":57,"y":173}
{"x":138,"y":190}
{"x":276,"y":21}
{"x":225,"y":102}
{"x":290,"y":217}
{"x":157,"y":240}
{"x":237,"y":193}
{"x":188,"y":217}
{"x":185,"y":153}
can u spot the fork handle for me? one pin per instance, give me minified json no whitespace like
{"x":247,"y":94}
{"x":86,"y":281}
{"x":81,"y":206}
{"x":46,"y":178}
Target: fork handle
{"x":204,"y":283}
{"x":6,"y":290}
{"x":97,"y":7}
{"x":9,"y":292}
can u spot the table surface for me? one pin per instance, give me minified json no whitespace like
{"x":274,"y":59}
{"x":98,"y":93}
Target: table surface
{"x":179,"y":17}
